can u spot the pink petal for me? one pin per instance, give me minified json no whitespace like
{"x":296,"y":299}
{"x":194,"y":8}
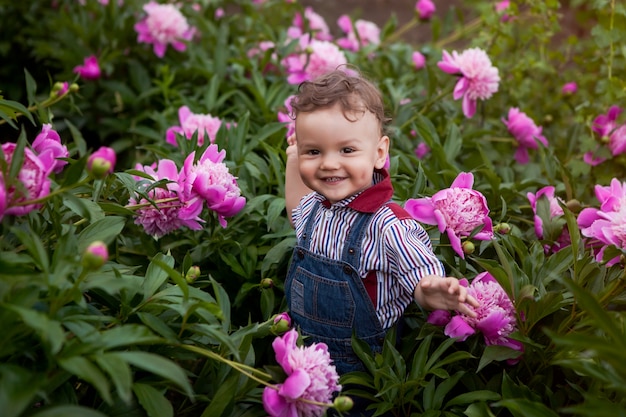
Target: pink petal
{"x":463,"y":180}
{"x":458,"y":328}
{"x":421,"y":209}
{"x":295,"y":384}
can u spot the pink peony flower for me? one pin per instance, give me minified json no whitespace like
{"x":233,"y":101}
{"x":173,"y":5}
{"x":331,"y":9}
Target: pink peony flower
{"x":525,"y":131}
{"x":49,"y":141}
{"x":501,"y":7}
{"x":422,"y":150}
{"x":457,"y":210}
{"x":310,"y":376}
{"x":311,"y":22}
{"x":547,"y":192}
{"x":362,"y":34}
{"x":33,"y":179}
{"x":605,"y":226}
{"x":495,"y":317}
{"x":90,"y":70}
{"x":3,"y":196}
{"x":316,"y":58}
{"x":286,"y":119}
{"x":164,"y":25}
{"x":209,"y":180}
{"x":605,"y":124}
{"x":425,"y":9}
{"x":479,"y":79}
{"x":101,"y":162}
{"x":617,"y":141}
{"x":96,"y":255}
{"x":569,"y":88}
{"x":174,"y":211}
{"x":190,"y":123}
{"x":419,"y":60}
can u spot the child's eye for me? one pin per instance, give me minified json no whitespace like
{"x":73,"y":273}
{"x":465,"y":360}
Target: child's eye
{"x":312,"y":152}
{"x":347,"y":150}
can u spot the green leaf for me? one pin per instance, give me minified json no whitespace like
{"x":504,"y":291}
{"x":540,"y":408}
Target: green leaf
{"x":106,"y":230}
{"x":34,"y":246}
{"x":223,"y":397}
{"x":49,"y":331}
{"x":156,"y":275}
{"x":473,"y":397}
{"x":18,"y":388}
{"x":120,"y":374}
{"x":77,"y":136}
{"x":522,"y":407}
{"x":153,"y":401}
{"x":68,"y":411}
{"x":86,"y":209}
{"x":159,"y":365}
{"x":87,"y":371}
{"x":31,"y":87}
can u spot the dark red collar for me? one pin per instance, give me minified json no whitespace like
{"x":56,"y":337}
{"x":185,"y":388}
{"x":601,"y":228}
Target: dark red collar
{"x":372,"y":198}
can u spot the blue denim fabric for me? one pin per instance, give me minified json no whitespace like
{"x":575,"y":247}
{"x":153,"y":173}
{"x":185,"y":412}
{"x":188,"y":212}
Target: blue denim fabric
{"x":327,"y":299}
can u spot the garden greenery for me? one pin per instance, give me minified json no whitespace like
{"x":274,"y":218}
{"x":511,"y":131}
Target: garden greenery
{"x":127,"y":289}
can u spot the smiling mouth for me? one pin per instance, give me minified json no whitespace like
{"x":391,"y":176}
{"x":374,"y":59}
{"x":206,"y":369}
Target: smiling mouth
{"x":333,"y":179}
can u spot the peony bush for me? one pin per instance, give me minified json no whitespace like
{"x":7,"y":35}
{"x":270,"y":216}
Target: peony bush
{"x":143,"y":237}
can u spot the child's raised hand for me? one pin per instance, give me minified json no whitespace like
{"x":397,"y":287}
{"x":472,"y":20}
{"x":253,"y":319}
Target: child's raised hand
{"x":292,"y":149}
{"x":444,"y":293}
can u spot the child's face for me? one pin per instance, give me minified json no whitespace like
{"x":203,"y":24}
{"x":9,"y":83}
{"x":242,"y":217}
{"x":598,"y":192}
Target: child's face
{"x":337,"y":157}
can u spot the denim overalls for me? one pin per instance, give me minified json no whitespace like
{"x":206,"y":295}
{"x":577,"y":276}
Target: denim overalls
{"x":327,"y":299}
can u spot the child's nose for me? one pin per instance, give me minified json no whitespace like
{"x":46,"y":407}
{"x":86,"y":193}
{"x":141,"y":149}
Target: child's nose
{"x":330,"y":161}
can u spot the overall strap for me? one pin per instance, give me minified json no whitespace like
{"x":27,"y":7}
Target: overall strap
{"x":308,"y":227}
{"x":351,"y":252}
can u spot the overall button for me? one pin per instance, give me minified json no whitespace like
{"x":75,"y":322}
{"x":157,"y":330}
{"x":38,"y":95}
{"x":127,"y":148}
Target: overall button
{"x":347,"y":269}
{"x":300,"y":253}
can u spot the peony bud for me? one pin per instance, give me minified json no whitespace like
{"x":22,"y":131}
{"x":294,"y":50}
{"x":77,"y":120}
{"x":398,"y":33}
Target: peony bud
{"x":59,"y":89}
{"x":95,"y":255}
{"x":192,"y":274}
{"x":101,"y":162}
{"x":267,"y":283}
{"x":574,"y":205}
{"x":282,"y":323}
{"x":425,"y":9}
{"x":74,"y":88}
{"x":343,"y":403}
{"x":502,"y":228}
{"x":468,"y":247}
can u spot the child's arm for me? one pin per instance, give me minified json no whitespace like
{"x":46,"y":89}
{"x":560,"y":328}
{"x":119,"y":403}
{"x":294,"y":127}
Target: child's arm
{"x":444,"y":293}
{"x":294,"y":187}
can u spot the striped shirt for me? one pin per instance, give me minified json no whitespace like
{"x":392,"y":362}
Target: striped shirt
{"x":396,"y":251}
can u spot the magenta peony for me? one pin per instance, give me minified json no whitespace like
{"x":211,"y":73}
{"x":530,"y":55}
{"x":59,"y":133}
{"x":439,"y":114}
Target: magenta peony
{"x":457,"y":210}
{"x":422,"y":150}
{"x":479,"y":79}
{"x":313,"y":59}
{"x":210,"y":180}
{"x":48,"y":141}
{"x":90,"y":70}
{"x":363,"y":33}
{"x":190,"y":123}
{"x":569,"y":88}
{"x":33,"y":179}
{"x":547,"y":192}
{"x":3,"y":196}
{"x":495,"y":317}
{"x":310,"y":376}
{"x":170,"y":210}
{"x":525,"y":132}
{"x":164,"y":25}
{"x":425,"y":9}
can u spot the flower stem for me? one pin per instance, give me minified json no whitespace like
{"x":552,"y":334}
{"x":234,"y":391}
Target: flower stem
{"x":143,"y":205}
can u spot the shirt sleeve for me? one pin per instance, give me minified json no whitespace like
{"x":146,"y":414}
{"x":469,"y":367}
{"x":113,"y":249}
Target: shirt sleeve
{"x":410,"y":253}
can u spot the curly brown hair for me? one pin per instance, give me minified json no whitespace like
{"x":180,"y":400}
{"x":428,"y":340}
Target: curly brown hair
{"x":353,"y":92}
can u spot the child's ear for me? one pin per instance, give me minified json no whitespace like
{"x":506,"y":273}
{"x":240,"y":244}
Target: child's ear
{"x":382,"y":152}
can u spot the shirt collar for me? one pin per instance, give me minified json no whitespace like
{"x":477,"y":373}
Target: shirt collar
{"x":370,"y":199}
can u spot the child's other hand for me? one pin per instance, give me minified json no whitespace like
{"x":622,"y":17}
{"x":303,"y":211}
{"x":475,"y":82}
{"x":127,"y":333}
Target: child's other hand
{"x":445,"y":293}
{"x":292,"y":148}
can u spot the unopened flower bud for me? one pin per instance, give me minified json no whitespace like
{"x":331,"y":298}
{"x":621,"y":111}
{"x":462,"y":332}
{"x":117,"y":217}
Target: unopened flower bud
{"x":192,"y":274}
{"x":101,"y":162}
{"x":343,"y":403}
{"x":59,"y":88}
{"x":468,"y":247}
{"x":574,"y":205}
{"x":74,"y":88}
{"x":282,"y":323}
{"x":605,"y":139}
{"x":95,"y":255}
{"x":548,"y":118}
{"x":502,"y":228}
{"x":267,"y":283}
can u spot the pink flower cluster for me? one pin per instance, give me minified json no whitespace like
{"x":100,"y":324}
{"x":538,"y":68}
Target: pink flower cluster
{"x":312,"y":58}
{"x":164,"y":25}
{"x":604,"y":227}
{"x":457,"y":210}
{"x":179,"y":202}
{"x":609,"y":131}
{"x":478,"y":78}
{"x":310,"y":376}
{"x":362,"y":33}
{"x":204,"y":124}
{"x":32,"y":182}
{"x":525,"y":132}
{"x":556,"y":211}
{"x":495,"y":318}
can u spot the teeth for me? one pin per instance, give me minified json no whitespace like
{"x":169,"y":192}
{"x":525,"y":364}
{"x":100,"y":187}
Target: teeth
{"x":333,"y":179}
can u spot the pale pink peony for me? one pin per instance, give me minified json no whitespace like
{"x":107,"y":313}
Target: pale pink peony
{"x":204,"y":124}
{"x":33,"y":181}
{"x":310,"y":376}
{"x":425,"y":9}
{"x":495,"y":317}
{"x":525,"y":132}
{"x":209,"y":180}
{"x":479,"y":79}
{"x":605,"y":226}
{"x":617,"y":141}
{"x":90,"y":70}
{"x":419,"y":60}
{"x":311,"y":22}
{"x":457,"y":210}
{"x":49,"y":141}
{"x":547,"y":192}
{"x":368,"y":33}
{"x":314,"y":58}
{"x":164,"y":25}
{"x":163,"y":217}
